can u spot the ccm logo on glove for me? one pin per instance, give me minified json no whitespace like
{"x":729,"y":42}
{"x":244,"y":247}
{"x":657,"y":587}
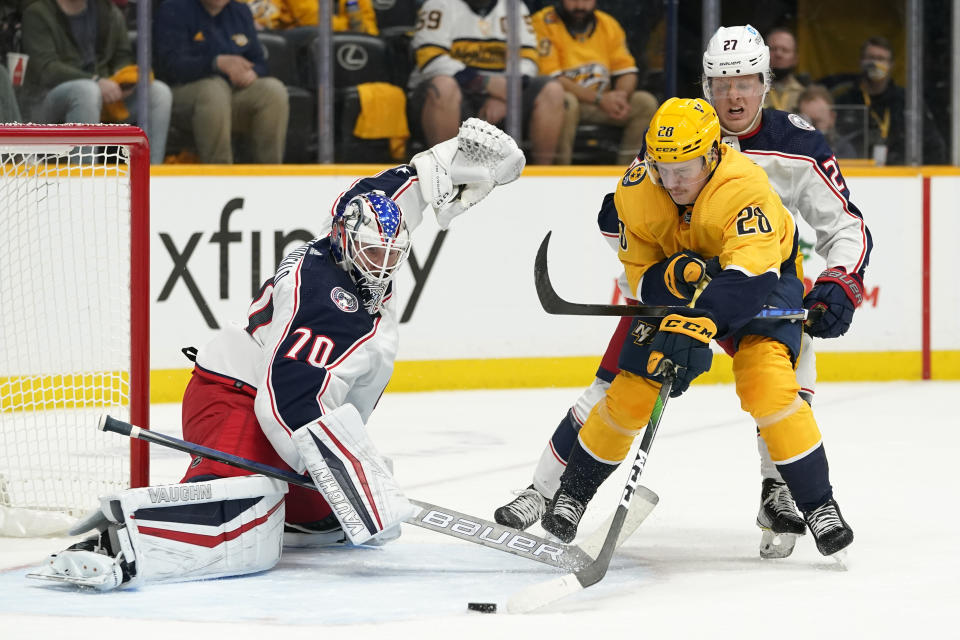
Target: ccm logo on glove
{"x":700,"y":328}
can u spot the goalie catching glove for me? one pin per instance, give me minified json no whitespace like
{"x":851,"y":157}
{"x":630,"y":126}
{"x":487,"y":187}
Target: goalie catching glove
{"x":458,"y":173}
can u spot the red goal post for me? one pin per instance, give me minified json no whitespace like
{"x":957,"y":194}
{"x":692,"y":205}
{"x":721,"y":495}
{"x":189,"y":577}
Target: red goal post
{"x":75,"y":342}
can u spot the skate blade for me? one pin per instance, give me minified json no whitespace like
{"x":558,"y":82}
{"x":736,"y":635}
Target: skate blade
{"x":99,"y":583}
{"x":841,"y":560}
{"x":775,"y":546}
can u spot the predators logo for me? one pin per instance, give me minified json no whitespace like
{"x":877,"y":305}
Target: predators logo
{"x":240,"y":39}
{"x":635,"y":174}
{"x":642,"y":332}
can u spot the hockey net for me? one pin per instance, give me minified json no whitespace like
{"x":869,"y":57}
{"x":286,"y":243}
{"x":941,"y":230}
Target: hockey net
{"x":74,"y":340}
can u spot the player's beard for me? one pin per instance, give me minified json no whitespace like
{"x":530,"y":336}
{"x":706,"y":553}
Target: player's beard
{"x":781,"y":73}
{"x":576,"y":21}
{"x":481,"y":5}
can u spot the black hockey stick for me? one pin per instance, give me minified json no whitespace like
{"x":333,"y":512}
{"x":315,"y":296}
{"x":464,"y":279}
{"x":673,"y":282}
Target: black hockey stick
{"x":554,"y":304}
{"x":440,"y":519}
{"x":544,"y":593}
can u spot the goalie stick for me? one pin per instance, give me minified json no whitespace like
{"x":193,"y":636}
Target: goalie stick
{"x":436,"y":518}
{"x":544,"y":593}
{"x":554,"y":304}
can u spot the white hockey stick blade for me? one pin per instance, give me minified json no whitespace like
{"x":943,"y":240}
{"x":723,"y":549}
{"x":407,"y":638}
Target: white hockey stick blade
{"x":642,"y":503}
{"x":543,"y":593}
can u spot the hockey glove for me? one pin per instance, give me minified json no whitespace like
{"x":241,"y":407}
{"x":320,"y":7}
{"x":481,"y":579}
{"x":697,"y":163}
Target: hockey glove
{"x":836,"y":294}
{"x":674,"y":281}
{"x":458,"y":173}
{"x":685,"y":270}
{"x":684,"y":339}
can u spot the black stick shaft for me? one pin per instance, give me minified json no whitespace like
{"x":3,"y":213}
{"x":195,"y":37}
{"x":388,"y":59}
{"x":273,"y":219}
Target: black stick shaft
{"x":108,"y":423}
{"x":554,"y":304}
{"x":593,"y":573}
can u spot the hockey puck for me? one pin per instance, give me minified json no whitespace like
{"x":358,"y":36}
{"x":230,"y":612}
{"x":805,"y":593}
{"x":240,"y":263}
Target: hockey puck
{"x":482,"y":607}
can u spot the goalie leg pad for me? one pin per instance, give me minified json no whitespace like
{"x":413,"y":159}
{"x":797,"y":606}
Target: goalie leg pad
{"x":352,"y":476}
{"x":174,"y":533}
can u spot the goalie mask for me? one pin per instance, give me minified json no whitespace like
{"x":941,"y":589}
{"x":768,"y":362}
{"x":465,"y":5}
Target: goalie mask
{"x":369,"y":239}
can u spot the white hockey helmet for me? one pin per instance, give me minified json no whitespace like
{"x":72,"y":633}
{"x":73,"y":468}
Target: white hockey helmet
{"x":370,"y":240}
{"x":736,"y":51}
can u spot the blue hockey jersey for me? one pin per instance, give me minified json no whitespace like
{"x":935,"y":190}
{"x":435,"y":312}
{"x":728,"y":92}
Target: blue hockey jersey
{"x":308,"y":346}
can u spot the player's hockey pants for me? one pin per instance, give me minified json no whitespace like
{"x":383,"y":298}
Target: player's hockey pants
{"x":222,"y":417}
{"x":768,"y":390}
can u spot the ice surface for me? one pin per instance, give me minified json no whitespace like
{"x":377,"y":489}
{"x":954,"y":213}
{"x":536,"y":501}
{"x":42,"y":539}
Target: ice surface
{"x":691,"y":570}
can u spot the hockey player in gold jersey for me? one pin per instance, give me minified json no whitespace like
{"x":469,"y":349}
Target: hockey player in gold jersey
{"x":694,"y":207}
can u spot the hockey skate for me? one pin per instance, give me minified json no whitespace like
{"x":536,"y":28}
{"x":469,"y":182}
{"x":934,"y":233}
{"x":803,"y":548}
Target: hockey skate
{"x":829,"y":529}
{"x":89,"y":563}
{"x":323,"y":533}
{"x":562,"y":516}
{"x":778,"y":519}
{"x":521,"y":512}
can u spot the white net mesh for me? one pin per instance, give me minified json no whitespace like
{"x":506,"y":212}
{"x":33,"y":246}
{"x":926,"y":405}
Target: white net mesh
{"x":65,"y":342}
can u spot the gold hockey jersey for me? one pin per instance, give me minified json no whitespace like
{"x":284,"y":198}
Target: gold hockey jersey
{"x":450,"y":37}
{"x":737,"y":216}
{"x":591,"y":59}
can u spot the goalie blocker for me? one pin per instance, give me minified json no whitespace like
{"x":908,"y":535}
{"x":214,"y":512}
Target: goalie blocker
{"x":353,"y":478}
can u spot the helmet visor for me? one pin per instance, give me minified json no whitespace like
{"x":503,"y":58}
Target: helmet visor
{"x":747,"y":86}
{"x":682,"y":180}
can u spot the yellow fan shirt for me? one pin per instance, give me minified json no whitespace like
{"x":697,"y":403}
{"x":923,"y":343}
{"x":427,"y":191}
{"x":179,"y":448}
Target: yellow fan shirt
{"x":590,"y":59}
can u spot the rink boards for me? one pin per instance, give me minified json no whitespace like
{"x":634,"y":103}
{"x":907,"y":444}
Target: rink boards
{"x":471,"y":317}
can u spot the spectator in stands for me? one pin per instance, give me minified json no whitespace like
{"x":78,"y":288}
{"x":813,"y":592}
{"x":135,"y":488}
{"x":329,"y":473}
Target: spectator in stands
{"x":209,"y":52}
{"x":787,"y":83}
{"x":9,"y":109}
{"x":82,"y":69}
{"x":358,"y":16}
{"x":586,"y":51}
{"x":460,"y":49}
{"x":886,"y":105}
{"x":815,"y":105}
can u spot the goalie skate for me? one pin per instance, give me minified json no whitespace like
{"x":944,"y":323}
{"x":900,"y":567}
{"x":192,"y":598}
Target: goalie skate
{"x":82,"y":568}
{"x":88,"y":563}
